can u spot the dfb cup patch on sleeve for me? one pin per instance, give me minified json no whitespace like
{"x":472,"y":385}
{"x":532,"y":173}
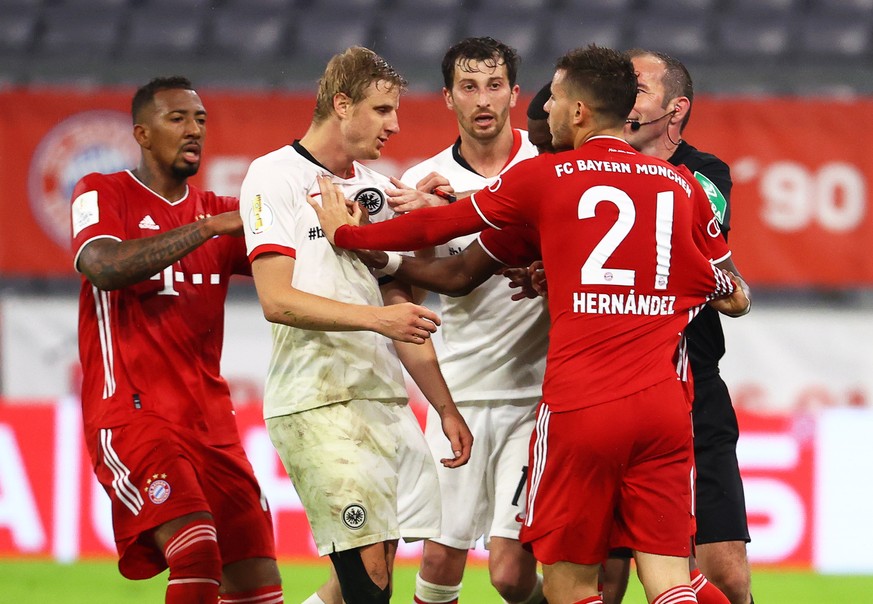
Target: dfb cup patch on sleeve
{"x":371,"y":198}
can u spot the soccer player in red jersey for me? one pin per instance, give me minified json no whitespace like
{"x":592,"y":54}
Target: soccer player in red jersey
{"x":629,"y":258}
{"x":156,"y":256}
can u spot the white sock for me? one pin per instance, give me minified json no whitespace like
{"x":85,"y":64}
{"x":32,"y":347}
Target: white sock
{"x":536,"y":595}
{"x":313,"y":599}
{"x":431,"y":593}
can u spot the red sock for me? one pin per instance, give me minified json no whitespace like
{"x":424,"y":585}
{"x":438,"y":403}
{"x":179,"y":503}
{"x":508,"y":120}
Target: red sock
{"x":195,"y":565}
{"x":271,"y":594}
{"x":591,"y":600}
{"x":192,"y":591}
{"x":707,"y":593}
{"x":681,"y":594}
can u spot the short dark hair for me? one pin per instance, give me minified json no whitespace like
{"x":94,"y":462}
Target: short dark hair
{"x":604,"y":77}
{"x":676,"y":81}
{"x":487,"y":50}
{"x":146,"y":94}
{"x":535,"y":110}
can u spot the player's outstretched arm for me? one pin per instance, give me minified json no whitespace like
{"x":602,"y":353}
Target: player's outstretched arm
{"x":110,"y":264}
{"x":454,"y":276}
{"x":282,"y":303}
{"x":415,"y":230}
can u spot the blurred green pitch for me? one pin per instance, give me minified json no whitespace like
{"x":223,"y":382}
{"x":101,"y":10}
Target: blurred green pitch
{"x":98,"y":582}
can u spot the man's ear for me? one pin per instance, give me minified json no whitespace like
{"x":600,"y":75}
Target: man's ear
{"x":141,"y":135}
{"x":513,"y":95}
{"x":341,"y":104}
{"x":449,"y":99}
{"x":680,"y":106}
{"x":582,"y":114}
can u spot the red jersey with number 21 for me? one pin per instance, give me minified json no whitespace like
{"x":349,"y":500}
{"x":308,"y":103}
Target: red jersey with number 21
{"x":155,"y":346}
{"x":627,"y":250}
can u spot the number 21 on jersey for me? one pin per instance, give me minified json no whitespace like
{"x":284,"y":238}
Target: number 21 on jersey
{"x":593,"y":271}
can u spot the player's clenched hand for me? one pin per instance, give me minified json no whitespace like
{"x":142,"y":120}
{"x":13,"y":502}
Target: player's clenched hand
{"x":736,"y":304}
{"x":456,"y":430}
{"x":406,"y":322}
{"x":405,"y":199}
{"x":519,"y":278}
{"x":226,"y":223}
{"x":530,"y":281}
{"x":538,"y":278}
{"x":333,"y":212}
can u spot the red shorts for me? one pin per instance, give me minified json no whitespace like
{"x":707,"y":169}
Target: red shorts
{"x":154,"y":472}
{"x":617,"y":474}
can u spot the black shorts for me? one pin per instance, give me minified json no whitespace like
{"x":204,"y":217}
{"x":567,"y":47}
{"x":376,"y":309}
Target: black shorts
{"x":720,"y":501}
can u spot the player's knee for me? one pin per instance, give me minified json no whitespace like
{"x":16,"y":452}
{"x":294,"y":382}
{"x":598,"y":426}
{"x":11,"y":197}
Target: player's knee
{"x":355,"y":582}
{"x":192,"y":553}
{"x":511,"y":585}
{"x":735,"y":586}
{"x":733,"y":580}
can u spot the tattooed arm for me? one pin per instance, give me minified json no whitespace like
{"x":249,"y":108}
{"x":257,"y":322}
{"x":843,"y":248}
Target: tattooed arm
{"x":111,"y":264}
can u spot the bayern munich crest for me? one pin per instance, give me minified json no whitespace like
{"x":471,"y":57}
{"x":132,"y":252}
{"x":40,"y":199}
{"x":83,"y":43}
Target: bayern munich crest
{"x":354,"y":516}
{"x":91,"y":141}
{"x":371,"y":198}
{"x":158,"y":489}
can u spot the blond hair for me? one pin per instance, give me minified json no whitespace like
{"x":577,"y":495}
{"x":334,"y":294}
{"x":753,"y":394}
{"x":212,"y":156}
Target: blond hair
{"x":351,"y":72}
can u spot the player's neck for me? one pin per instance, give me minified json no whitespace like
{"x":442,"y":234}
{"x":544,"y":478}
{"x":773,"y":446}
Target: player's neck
{"x":324,"y":145}
{"x":168,"y":187}
{"x":583,"y":135}
{"x":488,"y":157}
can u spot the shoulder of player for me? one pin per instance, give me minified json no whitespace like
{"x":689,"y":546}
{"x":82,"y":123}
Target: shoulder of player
{"x":96,"y":179}
{"x":697,"y":160}
{"x":215,"y":202}
{"x":283,"y":155}
{"x":367,"y":176}
{"x":107,"y":183}
{"x":441,"y":162}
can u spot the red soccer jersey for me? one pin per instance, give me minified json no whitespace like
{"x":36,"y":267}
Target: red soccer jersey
{"x":624,"y":245}
{"x":155,"y":347}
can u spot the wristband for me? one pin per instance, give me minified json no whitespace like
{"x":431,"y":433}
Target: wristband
{"x":445,"y":195}
{"x":394,"y":260}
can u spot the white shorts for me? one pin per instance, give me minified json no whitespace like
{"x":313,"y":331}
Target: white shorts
{"x":487,"y":496}
{"x":363,"y":472}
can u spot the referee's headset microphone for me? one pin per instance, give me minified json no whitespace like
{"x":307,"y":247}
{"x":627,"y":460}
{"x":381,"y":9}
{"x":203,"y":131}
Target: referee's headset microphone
{"x":635,"y":125}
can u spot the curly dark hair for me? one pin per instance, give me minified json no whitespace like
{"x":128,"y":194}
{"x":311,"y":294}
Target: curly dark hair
{"x":487,"y":50}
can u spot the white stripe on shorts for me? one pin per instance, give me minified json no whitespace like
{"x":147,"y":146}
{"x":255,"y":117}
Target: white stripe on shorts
{"x":539,"y":459}
{"x":124,"y":489}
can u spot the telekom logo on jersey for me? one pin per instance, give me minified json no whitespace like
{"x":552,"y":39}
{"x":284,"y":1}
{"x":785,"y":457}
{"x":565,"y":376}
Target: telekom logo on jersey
{"x":171,"y":277}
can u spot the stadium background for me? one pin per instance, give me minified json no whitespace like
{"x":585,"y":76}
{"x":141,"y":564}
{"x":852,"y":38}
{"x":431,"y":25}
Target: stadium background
{"x":783,"y":96}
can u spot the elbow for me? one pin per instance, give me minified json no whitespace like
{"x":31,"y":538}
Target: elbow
{"x":273,"y":312}
{"x":461,"y":287}
{"x":103,"y":281}
{"x":463,"y":284}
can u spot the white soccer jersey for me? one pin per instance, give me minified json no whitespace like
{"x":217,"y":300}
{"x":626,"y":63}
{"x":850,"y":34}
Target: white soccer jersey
{"x":494,"y":348}
{"x":314,"y":368}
